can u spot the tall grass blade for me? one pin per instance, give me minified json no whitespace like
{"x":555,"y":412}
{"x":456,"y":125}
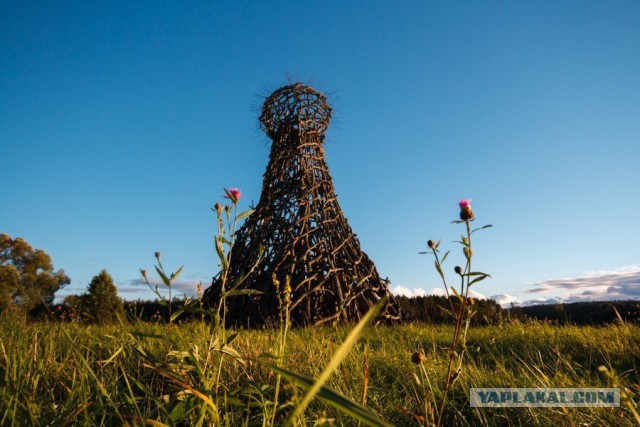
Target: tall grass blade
{"x":337,"y":358}
{"x":334,"y":398}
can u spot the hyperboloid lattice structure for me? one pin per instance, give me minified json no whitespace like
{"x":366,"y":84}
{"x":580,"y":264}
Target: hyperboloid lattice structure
{"x":298,"y":221}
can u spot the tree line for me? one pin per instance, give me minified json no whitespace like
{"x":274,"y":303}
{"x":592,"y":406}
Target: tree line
{"x":28,"y":283}
{"x":582,"y":313}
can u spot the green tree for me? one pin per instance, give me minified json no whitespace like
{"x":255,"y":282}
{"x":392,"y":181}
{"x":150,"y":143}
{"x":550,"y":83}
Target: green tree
{"x":27,"y":278}
{"x":101,"y":303}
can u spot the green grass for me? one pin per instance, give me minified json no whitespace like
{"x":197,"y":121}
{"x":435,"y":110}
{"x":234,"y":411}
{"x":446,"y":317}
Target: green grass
{"x":60,"y":374}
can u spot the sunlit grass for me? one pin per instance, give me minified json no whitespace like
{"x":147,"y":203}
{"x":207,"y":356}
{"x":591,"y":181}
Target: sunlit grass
{"x":66,"y":373}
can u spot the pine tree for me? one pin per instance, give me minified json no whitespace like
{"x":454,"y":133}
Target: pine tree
{"x":101,"y":304}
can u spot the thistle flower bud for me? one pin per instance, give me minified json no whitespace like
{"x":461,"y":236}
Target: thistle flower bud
{"x":233,"y":194}
{"x":418,"y":357}
{"x":157,"y":254}
{"x":218,"y":207}
{"x":228,"y":208}
{"x":466,"y":213}
{"x":431,"y":244}
{"x":458,"y":269}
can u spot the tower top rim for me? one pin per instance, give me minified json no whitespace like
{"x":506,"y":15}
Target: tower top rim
{"x":295,"y":107}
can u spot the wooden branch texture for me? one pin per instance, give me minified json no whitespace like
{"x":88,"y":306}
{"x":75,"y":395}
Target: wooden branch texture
{"x":301,"y":228}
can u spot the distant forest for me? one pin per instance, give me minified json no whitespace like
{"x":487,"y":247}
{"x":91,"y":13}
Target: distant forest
{"x":427,"y":309}
{"x":582,"y":313}
{"x":431,"y":309}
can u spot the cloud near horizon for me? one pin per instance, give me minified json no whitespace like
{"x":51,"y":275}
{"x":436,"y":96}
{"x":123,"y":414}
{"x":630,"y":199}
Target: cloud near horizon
{"x":505,"y":300}
{"x":607,"y":285}
{"x":179,"y":287}
{"x":137,"y":288}
{"x":620,"y":284}
{"x":419,"y":292}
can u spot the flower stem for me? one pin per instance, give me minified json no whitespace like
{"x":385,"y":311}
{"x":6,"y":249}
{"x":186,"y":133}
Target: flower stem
{"x":462,"y":316}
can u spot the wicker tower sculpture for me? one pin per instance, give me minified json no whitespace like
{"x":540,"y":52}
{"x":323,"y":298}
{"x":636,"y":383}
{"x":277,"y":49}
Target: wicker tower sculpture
{"x":306,"y":240}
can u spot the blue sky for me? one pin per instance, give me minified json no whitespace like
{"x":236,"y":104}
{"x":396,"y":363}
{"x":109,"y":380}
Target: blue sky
{"x":121,"y":123}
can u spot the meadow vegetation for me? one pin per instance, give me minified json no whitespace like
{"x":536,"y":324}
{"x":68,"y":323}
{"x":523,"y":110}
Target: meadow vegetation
{"x":100,"y":366}
{"x":66,"y":373}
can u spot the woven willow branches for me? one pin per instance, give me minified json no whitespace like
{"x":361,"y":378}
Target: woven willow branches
{"x":306,"y":238}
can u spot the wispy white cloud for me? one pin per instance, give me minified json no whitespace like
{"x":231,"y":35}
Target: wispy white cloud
{"x":138,"y":287}
{"x":420,"y":292}
{"x":621,"y":284}
{"x":407,"y":292}
{"x":477,"y":295}
{"x":537,"y":301}
{"x":505,"y":300}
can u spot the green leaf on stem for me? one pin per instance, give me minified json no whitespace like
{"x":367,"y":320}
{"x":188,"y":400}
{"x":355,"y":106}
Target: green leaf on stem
{"x":463,"y":241}
{"x":245,"y":214}
{"x":478,"y":279}
{"x":164,"y":278}
{"x":221,"y":254}
{"x":481,"y":228}
{"x":175,"y":275}
{"x":175,"y":314}
{"x":456,"y":294}
{"x":437,"y":264}
{"x":230,"y":351}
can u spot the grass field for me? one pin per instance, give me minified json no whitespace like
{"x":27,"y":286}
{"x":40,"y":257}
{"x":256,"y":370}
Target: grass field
{"x":58,"y":374}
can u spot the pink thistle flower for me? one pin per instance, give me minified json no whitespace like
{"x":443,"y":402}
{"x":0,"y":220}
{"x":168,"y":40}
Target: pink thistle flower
{"x":233,"y":194}
{"x":466,"y":213}
{"x":465,"y":203}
